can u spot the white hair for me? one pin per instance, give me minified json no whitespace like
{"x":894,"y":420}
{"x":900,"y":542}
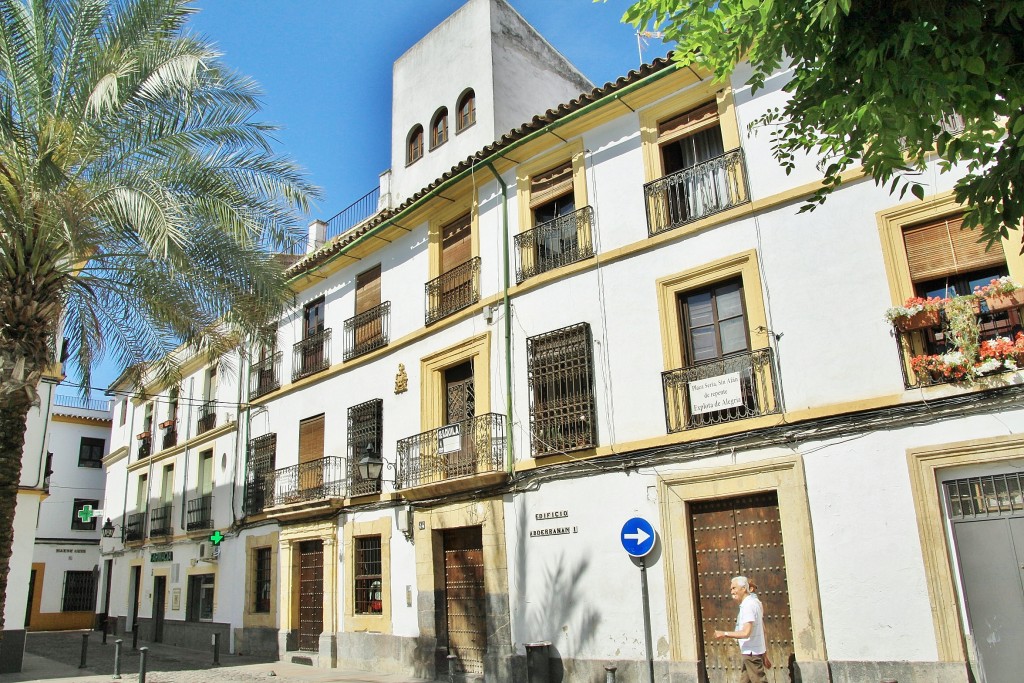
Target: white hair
{"x":743,"y":581}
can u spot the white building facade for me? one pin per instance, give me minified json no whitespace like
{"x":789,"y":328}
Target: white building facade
{"x":622,"y":315}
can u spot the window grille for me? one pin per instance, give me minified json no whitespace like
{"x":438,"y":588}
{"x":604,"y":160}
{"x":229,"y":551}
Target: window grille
{"x":261,"y":589}
{"x":561,"y":377}
{"x":79,"y":592}
{"x":990,"y":496}
{"x":365,"y":429}
{"x":369,"y":589}
{"x":90,"y":452}
{"x":262,"y":461}
{"x":76,"y":522}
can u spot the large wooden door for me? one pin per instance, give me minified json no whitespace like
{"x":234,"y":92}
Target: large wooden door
{"x":311,"y":594}
{"x":732,"y":537}
{"x":465,"y":598}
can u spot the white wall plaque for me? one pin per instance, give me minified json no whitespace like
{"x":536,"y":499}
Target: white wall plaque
{"x":715,"y":393}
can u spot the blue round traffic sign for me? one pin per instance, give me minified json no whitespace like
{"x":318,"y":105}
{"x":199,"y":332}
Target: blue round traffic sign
{"x":637,"y":537}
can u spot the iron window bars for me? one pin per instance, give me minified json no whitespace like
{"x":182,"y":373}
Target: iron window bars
{"x":200,"y":513}
{"x":453,"y":291}
{"x":207,"y":417}
{"x":365,"y":428}
{"x":697,"y":192}
{"x":366,"y":331}
{"x":368,"y":587}
{"x":560,"y":366}
{"x":555,"y":243}
{"x":311,"y":355}
{"x":262,"y":459}
{"x":265,"y":375}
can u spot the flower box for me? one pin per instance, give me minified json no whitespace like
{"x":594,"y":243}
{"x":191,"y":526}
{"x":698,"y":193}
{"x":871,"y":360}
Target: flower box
{"x":142,"y":435}
{"x":1002,"y":302}
{"x":167,"y":423}
{"x":917,"y":321}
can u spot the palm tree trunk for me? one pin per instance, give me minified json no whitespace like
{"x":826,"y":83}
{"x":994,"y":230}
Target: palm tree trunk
{"x":13,"y":418}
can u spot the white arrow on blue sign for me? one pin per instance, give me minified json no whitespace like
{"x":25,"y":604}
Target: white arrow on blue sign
{"x":637,"y":537}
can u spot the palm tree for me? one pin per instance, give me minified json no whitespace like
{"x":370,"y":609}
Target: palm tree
{"x":139,"y":203}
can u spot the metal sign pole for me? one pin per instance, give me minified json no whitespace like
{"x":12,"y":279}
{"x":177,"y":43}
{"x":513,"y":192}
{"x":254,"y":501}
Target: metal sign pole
{"x":647,"y":620}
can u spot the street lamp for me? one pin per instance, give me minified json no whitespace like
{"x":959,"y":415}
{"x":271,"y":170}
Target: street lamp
{"x":371,"y":464}
{"x":107,"y":529}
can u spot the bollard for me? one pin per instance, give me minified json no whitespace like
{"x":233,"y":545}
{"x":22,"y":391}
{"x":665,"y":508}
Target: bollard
{"x":142,"y":664}
{"x":216,"y":649}
{"x":106,"y":627}
{"x":609,"y":673}
{"x":451,"y":668}
{"x":117,"y":658}
{"x":538,"y":665}
{"x":135,"y":635}
{"x":85,"y":650}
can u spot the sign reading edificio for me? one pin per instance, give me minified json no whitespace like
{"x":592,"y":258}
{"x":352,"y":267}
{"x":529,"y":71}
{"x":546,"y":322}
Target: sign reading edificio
{"x":449,"y":439}
{"x":715,"y":393}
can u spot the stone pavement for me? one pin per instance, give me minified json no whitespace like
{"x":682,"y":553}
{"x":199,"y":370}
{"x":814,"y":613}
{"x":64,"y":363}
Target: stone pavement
{"x":54,"y":657}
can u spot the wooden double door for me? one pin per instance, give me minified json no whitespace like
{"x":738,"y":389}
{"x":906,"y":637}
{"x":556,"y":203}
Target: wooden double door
{"x":311,"y":594}
{"x":465,"y":598}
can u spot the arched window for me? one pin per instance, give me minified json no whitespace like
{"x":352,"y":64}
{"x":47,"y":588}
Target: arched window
{"x":467,"y":111}
{"x":414,"y":148}
{"x":439,"y":128}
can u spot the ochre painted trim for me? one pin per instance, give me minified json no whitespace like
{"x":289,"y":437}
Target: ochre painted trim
{"x":445,"y":214}
{"x":250,"y":618}
{"x":374,"y":623}
{"x":194,"y":442}
{"x":571,"y":151}
{"x":288,"y":591}
{"x":477,"y":349}
{"x":783,"y":475}
{"x":924,"y":465}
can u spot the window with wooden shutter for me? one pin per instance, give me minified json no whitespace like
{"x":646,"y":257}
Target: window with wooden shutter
{"x":551,"y":184}
{"x":456,"y":243}
{"x":311,"y":439}
{"x":946,"y":260}
{"x":368,"y":289}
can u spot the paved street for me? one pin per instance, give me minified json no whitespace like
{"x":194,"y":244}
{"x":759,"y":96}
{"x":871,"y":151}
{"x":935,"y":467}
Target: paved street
{"x":55,"y":657}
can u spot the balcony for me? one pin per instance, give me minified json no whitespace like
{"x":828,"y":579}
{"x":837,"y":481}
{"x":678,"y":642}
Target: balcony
{"x":557,"y":243}
{"x":170,"y":439}
{"x":135,"y":527}
{"x":207,"y":417}
{"x":311,"y":355}
{"x":367,"y":331}
{"x":265,"y":375}
{"x":697,"y":192}
{"x":453,"y":291}
{"x":308,"y":481}
{"x":456,"y":451}
{"x":200,"y":513}
{"x":736,"y":387}
{"x":160,"y":521}
{"x":145,"y":447}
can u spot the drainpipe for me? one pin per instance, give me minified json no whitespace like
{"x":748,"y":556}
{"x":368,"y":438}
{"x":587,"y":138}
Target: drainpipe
{"x":41,"y":472}
{"x":242,"y":357}
{"x":507,"y":306}
{"x":184,"y":474}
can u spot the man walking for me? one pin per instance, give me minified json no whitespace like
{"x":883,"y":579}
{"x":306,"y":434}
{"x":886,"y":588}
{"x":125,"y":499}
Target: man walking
{"x":749,"y":631}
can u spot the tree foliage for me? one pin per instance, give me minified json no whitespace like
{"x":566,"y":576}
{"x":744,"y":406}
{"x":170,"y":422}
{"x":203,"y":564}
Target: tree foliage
{"x":872,"y":82}
{"x":139,"y":200}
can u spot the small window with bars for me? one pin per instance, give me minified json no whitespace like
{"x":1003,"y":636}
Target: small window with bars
{"x":561,"y":376}
{"x":77,"y":524}
{"x":990,"y":496}
{"x":79,"y":592}
{"x":369,"y":590}
{"x":90,"y":452}
{"x":261,"y":578}
{"x":365,"y":437}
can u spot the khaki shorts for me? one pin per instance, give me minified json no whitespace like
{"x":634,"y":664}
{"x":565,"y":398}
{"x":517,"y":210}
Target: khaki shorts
{"x":753,"y":669}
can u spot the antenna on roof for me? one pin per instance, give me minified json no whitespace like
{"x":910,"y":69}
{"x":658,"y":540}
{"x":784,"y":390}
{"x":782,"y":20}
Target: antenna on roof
{"x":640,"y":42}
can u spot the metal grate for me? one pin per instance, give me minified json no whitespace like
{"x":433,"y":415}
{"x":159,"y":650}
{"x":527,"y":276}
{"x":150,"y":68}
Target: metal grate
{"x":207,"y":417}
{"x":261,"y":587}
{"x":311,"y":355}
{"x":991,"y":496}
{"x":262,"y":460}
{"x":697,"y":192}
{"x":79,"y":592}
{"x":561,"y":376}
{"x":160,"y":521}
{"x":368,"y":588}
{"x":453,"y":291}
{"x":556,"y":243}
{"x":265,"y":376}
{"x":478,"y":448}
{"x":365,"y":429}
{"x":200,"y":513}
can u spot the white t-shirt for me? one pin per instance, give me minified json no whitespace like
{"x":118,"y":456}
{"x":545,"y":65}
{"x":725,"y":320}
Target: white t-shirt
{"x":751,"y":612}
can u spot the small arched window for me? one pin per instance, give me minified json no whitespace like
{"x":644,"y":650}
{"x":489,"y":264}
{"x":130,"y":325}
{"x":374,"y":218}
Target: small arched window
{"x":414,"y":148}
{"x":439,"y":128}
{"x":467,"y":111}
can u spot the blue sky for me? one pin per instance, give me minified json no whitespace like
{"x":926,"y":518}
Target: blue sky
{"x":325,"y":69}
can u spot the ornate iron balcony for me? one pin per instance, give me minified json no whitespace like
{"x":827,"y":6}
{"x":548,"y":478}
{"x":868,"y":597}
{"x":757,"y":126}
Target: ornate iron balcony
{"x":437,"y":455}
{"x":696,"y":192}
{"x":160,"y":521}
{"x":736,"y":387}
{"x":264,"y":376}
{"x":135,"y":527}
{"x":453,"y":291}
{"x":170,"y":438}
{"x":145,"y":447}
{"x":313,"y":480}
{"x":554,"y":244}
{"x":367,"y":331}
{"x":200,"y":513}
{"x":311,"y":355}
{"x":207,"y":417}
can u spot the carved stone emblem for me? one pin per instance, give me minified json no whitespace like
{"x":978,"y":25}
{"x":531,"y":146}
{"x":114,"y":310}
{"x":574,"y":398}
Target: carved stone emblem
{"x":401,"y":380}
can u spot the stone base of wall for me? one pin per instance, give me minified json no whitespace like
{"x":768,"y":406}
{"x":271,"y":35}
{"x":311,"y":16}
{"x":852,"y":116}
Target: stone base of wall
{"x":383,"y":653}
{"x":904,"y":672}
{"x":258,"y":642}
{"x":193,"y":635}
{"x":12,"y":651}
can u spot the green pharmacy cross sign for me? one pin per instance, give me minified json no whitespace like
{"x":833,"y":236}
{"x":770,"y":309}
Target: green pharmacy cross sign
{"x":216,"y":537}
{"x":87,"y":513}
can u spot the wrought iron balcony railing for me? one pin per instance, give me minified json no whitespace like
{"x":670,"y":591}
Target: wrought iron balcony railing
{"x":170,"y":439}
{"x":311,"y":355}
{"x":307,"y":481}
{"x":135,"y":527}
{"x":145,"y":447}
{"x":160,"y":521}
{"x":736,"y":387}
{"x":367,"y":331}
{"x":199,"y":513}
{"x":554,"y":244}
{"x":696,"y":192}
{"x":207,"y":417}
{"x":463,"y":449}
{"x":265,"y":376}
{"x":452,"y":291}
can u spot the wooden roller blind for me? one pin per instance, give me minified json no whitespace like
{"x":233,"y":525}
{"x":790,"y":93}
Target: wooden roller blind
{"x":311,"y":439}
{"x":689,"y":123}
{"x":940,"y":248}
{"x":368,"y":289}
{"x":550,"y":184}
{"x":456,"y":245}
